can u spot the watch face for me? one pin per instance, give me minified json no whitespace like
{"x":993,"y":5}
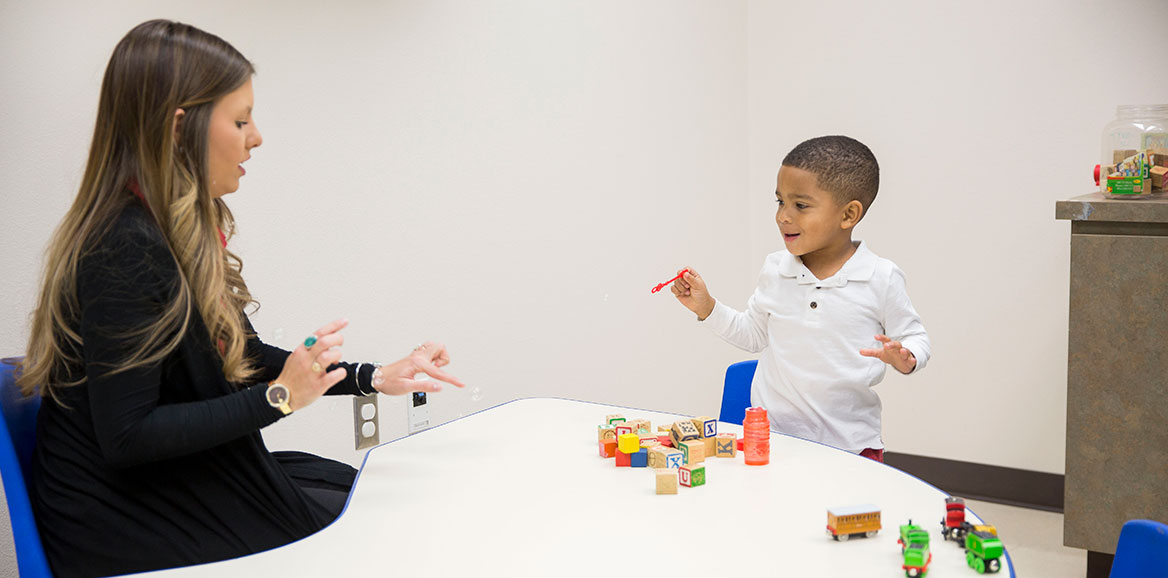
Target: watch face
{"x":277,"y":394}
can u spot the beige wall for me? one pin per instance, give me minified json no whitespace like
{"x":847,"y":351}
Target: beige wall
{"x":982,"y":115}
{"x":510,"y":177}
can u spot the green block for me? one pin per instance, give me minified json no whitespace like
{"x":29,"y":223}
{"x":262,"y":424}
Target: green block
{"x":697,"y":476}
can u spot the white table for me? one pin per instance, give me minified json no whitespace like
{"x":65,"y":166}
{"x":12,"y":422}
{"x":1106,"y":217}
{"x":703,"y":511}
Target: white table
{"x":520,"y":490}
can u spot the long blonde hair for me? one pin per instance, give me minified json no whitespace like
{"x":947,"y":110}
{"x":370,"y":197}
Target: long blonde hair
{"x":157,"y":68}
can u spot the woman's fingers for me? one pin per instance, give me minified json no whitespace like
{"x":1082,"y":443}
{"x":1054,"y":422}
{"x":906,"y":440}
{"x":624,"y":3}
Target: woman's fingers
{"x":329,"y":357}
{"x":334,"y":377}
{"x":432,"y":371}
{"x":426,"y":385}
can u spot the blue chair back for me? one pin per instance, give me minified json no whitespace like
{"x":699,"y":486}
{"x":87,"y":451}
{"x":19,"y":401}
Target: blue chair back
{"x":17,"y":438}
{"x":1142,"y":550}
{"x":736,"y":391}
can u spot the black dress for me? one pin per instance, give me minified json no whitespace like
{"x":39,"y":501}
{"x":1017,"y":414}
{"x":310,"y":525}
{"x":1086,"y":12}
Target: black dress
{"x":164,"y":466}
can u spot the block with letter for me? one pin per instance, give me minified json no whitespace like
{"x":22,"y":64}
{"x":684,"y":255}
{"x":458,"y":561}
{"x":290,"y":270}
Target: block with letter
{"x":607,"y":448}
{"x":706,"y":425}
{"x":692,"y":476}
{"x":639,"y":459}
{"x":674,"y":458}
{"x":711,"y":447}
{"x":693,"y":451}
{"x":725,"y":445}
{"x":683,"y":430}
{"x":622,"y":429}
{"x":666,"y":481}
{"x":614,"y":418}
{"x":657,"y":457}
{"x":605,"y":432}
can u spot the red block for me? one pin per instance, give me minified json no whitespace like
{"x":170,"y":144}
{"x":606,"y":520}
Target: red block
{"x":607,"y":448}
{"x":665,"y":441}
{"x":738,"y":444}
{"x":622,"y":459}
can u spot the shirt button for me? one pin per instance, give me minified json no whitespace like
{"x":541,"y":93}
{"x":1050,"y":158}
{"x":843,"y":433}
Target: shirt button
{"x":814,"y":305}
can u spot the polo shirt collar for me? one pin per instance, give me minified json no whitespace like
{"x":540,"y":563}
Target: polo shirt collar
{"x":859,"y":267}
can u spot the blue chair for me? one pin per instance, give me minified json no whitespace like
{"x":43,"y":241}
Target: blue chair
{"x":736,"y":391}
{"x":17,"y":439}
{"x":1142,"y":550}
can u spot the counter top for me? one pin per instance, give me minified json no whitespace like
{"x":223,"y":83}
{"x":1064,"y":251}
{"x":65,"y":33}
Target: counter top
{"x":1094,"y":207}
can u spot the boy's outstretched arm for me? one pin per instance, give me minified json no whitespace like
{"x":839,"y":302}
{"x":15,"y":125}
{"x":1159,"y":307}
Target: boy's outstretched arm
{"x":744,"y":330}
{"x":691,"y":291}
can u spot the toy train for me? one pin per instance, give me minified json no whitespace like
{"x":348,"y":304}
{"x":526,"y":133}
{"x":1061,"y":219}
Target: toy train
{"x":983,"y":548}
{"x":914,"y":546}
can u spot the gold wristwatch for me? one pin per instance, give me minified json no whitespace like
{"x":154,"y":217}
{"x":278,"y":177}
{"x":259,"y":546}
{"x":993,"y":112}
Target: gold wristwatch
{"x":279,"y":397}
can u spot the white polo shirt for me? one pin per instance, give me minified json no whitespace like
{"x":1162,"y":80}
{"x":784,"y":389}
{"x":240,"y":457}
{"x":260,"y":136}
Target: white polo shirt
{"x":812,"y":379}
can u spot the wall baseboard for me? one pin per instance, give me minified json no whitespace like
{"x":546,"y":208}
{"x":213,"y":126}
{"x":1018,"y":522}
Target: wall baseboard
{"x":1010,"y":486}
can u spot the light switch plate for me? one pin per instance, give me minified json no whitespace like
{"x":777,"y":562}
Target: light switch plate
{"x":363,"y":425}
{"x":418,"y":412}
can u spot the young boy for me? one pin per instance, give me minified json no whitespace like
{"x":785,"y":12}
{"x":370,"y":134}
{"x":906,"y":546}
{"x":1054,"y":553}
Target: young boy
{"x":819,"y":302}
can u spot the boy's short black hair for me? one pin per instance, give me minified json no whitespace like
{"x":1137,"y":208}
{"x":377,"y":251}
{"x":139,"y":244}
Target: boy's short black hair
{"x":843,"y":166}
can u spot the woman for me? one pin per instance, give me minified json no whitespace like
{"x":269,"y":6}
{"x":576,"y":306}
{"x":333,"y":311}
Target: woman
{"x":155,"y":385}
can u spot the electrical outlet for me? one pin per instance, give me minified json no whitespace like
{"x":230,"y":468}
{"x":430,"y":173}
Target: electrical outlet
{"x":365,"y":422}
{"x":418,"y":413}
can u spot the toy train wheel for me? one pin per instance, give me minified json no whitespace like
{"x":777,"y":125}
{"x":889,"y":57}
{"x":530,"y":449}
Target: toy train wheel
{"x":870,"y":533}
{"x":993,"y":565}
{"x":912,"y":572}
{"x":969,"y":558}
{"x":843,"y":537}
{"x":979,"y":565}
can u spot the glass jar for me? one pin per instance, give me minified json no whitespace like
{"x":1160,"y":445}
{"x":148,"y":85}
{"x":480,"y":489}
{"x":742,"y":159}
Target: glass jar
{"x":1135,"y":152}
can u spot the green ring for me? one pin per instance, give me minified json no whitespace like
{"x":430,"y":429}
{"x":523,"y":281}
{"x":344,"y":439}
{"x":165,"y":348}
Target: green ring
{"x":308,"y":343}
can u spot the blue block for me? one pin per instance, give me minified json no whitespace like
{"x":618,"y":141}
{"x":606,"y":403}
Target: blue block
{"x":639,"y":459}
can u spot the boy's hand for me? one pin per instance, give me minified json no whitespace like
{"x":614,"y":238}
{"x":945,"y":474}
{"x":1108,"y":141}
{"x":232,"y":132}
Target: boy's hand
{"x":691,"y":291}
{"x":893,"y":353}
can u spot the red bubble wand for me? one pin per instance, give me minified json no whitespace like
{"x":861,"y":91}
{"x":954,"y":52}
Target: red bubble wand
{"x":662,"y":286}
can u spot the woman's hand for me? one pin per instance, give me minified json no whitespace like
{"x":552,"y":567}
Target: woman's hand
{"x":397,"y":378}
{"x":305,"y":371}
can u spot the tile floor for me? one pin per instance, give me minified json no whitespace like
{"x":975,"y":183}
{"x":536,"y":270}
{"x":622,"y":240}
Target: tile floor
{"x":1034,"y":539}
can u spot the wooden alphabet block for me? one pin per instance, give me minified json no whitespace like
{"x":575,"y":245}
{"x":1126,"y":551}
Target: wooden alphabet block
{"x":692,"y":476}
{"x":683,"y":430}
{"x":1159,"y":177}
{"x":666,"y":481}
{"x":628,"y":443}
{"x":607,"y":448}
{"x":711,"y":448}
{"x":693,"y":451}
{"x":663,"y":428}
{"x":657,"y":457}
{"x":706,"y":426}
{"x":674,"y":459}
{"x":724,"y":447}
{"x":605,"y":432}
{"x":639,"y":459}
{"x":622,"y":429}
{"x":614,"y":418}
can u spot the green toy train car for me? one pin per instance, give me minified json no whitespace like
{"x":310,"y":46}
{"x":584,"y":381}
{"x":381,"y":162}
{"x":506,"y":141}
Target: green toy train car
{"x":914,"y":546}
{"x":983,"y":552}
